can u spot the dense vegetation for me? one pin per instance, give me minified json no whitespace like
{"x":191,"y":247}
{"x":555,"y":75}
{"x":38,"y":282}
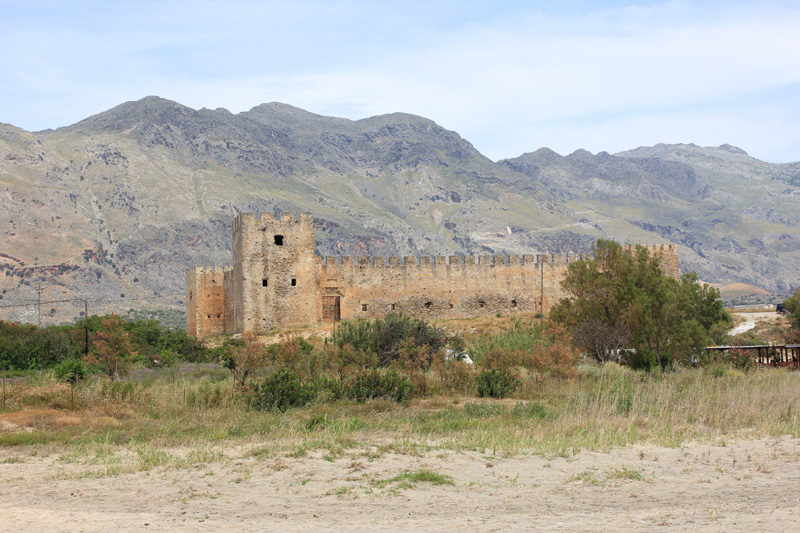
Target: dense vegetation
{"x":624,"y":308}
{"x":395,"y":385}
{"x":107,"y":343}
{"x":792,"y":307}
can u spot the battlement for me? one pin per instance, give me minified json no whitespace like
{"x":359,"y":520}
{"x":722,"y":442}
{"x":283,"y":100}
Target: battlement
{"x":210,"y":270}
{"x":652,"y":248}
{"x":488,"y":261}
{"x":267,"y":220}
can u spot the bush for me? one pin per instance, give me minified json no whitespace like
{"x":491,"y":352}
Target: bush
{"x":296,"y":355}
{"x":372,"y":385}
{"x":734,"y":358}
{"x":496,"y":383}
{"x":282,"y":391}
{"x":27,"y":347}
{"x":328,"y":390}
{"x":454,"y":375}
{"x":385,"y":337}
{"x":70,"y":371}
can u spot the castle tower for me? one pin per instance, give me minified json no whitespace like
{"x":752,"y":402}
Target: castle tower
{"x":208,"y":305}
{"x":275,"y":272}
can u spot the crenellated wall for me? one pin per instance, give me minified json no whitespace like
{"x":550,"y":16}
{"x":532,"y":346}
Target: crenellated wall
{"x":278,"y":281}
{"x":444,"y":287}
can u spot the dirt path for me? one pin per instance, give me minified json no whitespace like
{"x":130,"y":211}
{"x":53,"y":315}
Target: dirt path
{"x":743,"y":486}
{"x":751,"y":319}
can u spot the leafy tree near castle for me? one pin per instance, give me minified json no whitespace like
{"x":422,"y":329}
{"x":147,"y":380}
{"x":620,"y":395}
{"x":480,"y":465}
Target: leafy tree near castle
{"x":792,"y":306}
{"x":625,"y":304}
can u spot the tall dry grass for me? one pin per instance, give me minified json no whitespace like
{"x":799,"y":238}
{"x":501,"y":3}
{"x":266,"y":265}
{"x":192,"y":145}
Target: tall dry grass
{"x":165,"y":422}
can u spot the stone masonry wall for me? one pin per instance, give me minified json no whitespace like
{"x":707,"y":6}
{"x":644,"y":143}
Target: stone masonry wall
{"x":443,"y":287}
{"x":277,"y":281}
{"x":206,"y":301}
{"x":275,"y":272}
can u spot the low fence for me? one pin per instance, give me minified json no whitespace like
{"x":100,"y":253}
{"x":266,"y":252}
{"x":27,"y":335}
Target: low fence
{"x":768,"y":355}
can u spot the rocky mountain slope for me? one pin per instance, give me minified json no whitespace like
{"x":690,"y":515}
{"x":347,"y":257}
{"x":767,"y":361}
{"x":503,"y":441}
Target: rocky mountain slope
{"x":115,"y":207}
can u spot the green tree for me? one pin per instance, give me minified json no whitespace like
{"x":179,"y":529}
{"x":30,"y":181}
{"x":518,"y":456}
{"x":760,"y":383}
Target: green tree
{"x":623,"y":307}
{"x":792,"y":306}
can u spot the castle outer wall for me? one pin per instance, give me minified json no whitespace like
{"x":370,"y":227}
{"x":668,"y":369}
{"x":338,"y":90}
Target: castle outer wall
{"x":277,"y":281}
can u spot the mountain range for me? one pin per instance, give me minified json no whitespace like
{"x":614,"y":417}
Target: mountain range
{"x":114,"y":208}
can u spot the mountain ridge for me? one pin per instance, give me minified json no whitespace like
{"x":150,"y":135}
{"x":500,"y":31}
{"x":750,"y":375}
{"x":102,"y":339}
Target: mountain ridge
{"x":122,"y":202}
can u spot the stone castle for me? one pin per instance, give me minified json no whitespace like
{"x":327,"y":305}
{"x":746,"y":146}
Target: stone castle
{"x":277,"y":281}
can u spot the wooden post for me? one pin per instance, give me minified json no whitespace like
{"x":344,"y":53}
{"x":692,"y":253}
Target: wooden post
{"x":541,"y":295}
{"x":86,"y":326}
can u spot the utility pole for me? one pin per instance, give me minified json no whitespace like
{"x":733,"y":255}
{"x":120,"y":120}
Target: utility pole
{"x":86,"y":326}
{"x":39,"y":290}
{"x":541,"y":294}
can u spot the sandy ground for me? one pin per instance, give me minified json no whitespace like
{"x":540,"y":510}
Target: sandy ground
{"x":740,"y":486}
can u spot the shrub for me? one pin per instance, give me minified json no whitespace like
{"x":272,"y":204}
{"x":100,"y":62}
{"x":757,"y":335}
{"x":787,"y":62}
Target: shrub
{"x":244,"y":357}
{"x":296,"y":355}
{"x":496,"y":383}
{"x":328,"y":390}
{"x":453,"y":374}
{"x":735,"y":357}
{"x":347,"y":360}
{"x":385,"y":337}
{"x":70,"y":371}
{"x":282,"y":391}
{"x":373,"y":384}
{"x":27,"y":347}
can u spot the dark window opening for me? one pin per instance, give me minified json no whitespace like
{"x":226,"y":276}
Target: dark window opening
{"x":481,"y":304}
{"x":428,"y":305}
{"x":451,"y":306}
{"x":209,"y":316}
{"x":363,"y":307}
{"x":219,"y":316}
{"x":513,"y":303}
{"x":294,"y":282}
{"x":278,"y":240}
{"x":264,"y":282}
{"x":391,"y":307}
{"x":190,"y":295}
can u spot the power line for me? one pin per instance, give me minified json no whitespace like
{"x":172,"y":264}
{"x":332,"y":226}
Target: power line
{"x":94,"y":300}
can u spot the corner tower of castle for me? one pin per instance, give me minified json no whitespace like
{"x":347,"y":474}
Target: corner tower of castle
{"x":209,"y":308}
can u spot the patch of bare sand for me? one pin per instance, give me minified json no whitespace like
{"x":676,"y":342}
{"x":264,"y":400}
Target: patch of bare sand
{"x":745,"y":485}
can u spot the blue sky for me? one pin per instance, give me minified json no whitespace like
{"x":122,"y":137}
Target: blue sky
{"x":510,"y":77}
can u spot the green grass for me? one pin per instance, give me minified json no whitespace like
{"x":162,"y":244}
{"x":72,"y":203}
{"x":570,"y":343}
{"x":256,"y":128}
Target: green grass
{"x":625,"y":473}
{"x":408,"y":480}
{"x":163,"y":425}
